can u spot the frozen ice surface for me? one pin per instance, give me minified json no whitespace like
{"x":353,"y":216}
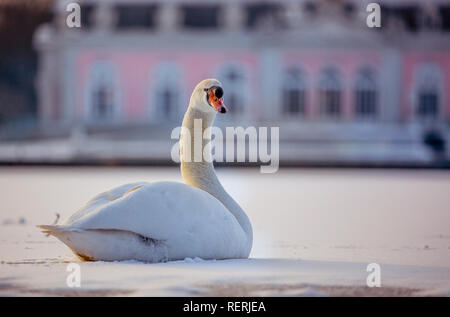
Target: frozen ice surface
{"x":315,"y":232}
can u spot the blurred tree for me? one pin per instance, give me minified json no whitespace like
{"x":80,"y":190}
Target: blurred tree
{"x":18,"y":60}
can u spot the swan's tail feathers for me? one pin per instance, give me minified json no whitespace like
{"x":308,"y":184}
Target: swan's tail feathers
{"x":48,"y":228}
{"x":55,"y":229}
{"x":108,"y":244}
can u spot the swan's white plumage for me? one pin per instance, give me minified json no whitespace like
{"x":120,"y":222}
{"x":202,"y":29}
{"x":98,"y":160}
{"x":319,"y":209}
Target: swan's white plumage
{"x":184,"y":219}
{"x":162,"y":221}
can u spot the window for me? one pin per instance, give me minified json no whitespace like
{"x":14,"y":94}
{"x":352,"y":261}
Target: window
{"x":349,"y":9}
{"x":428,"y":80}
{"x":261,"y":14}
{"x":429,"y":17}
{"x":204,"y":16}
{"x":428,"y":104}
{"x":445,"y":17}
{"x":103,"y":88}
{"x":87,"y":16}
{"x":330,"y":93}
{"x":234,"y":85}
{"x":294,"y":88}
{"x":165,"y":101}
{"x":408,"y":15}
{"x":136,"y":16}
{"x":310,"y":7}
{"x":102,"y":101}
{"x":365,"y":95}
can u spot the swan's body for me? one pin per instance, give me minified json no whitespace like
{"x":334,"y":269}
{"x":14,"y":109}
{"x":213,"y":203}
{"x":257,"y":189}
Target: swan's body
{"x":163,"y":221}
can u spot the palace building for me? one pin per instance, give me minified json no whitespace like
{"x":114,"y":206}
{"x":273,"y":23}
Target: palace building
{"x":339,"y":90}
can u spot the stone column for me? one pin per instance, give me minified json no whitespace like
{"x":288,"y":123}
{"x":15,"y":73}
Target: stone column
{"x":293,"y":14}
{"x":104,"y":17}
{"x":233,"y":16}
{"x":389,"y":101}
{"x":47,"y":72}
{"x":168,"y":16}
{"x":270,"y":67}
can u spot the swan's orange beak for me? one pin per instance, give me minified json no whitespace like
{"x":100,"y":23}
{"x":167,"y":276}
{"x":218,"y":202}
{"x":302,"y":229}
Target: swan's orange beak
{"x":216,"y":102}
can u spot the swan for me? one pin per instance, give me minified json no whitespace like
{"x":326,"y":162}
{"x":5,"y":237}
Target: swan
{"x":165,"y":221}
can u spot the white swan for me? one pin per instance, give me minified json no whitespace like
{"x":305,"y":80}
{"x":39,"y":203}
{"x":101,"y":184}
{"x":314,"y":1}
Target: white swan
{"x":163,"y":221}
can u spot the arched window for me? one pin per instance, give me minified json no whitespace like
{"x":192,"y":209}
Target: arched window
{"x":165,"y":101}
{"x":428,"y":80}
{"x":330,"y":93}
{"x":429,"y":17}
{"x":103,"y":100}
{"x":234,"y":84}
{"x":294,"y":92}
{"x":366,"y":95}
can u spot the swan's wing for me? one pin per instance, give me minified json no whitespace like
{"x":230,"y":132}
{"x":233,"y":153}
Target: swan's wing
{"x":166,"y":211}
{"x":186,"y":220}
{"x":102,"y":200}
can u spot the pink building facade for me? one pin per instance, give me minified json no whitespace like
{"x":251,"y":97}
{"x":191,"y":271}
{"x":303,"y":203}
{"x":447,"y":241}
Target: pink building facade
{"x":314,"y":68}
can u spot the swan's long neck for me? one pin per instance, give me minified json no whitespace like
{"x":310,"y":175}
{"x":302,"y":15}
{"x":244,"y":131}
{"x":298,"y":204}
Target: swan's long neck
{"x":201,"y":174}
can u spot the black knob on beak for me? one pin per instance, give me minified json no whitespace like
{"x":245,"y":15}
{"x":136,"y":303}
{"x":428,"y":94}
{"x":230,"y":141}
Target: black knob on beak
{"x":218,"y":92}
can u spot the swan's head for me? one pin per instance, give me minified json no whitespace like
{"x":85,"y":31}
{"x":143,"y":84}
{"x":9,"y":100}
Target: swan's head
{"x":208,"y":96}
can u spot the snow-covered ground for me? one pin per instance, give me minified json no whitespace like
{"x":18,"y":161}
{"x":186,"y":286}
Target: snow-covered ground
{"x":315,"y":232}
